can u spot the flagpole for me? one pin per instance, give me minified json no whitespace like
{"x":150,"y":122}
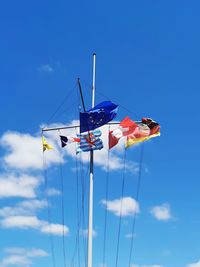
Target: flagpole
{"x":90,"y":213}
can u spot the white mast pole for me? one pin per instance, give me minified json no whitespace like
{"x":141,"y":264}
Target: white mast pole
{"x":90,"y":214}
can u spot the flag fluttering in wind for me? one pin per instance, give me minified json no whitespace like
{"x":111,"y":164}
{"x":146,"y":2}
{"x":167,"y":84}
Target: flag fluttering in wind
{"x":135,"y":132}
{"x":90,"y":141}
{"x":125,"y":128}
{"x":97,"y":116}
{"x":146,"y":130}
{"x":45,"y":145}
{"x":67,"y":140}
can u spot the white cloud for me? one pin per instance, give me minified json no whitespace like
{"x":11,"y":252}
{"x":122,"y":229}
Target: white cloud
{"x":125,"y":206}
{"x":32,"y":222}
{"x":34,"y":252}
{"x":16,"y":260}
{"x":27,"y":207}
{"x":155,"y":265}
{"x":45,"y":68}
{"x":55,"y":229}
{"x":21,"y":256}
{"x":130,"y":235}
{"x":33,"y":205}
{"x":197,"y":264}
{"x":18,"y":186}
{"x":161,"y":213}
{"x":53,"y":192}
{"x":23,"y":222}
{"x":24,"y":151}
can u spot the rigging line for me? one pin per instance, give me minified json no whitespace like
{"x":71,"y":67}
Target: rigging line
{"x":76,"y":126}
{"x":78,"y":213}
{"x":108,"y":98}
{"x":137,"y":198}
{"x":81,"y":218}
{"x":48,"y":212}
{"x":87,"y":84}
{"x":120,"y":218}
{"x":83,"y":181}
{"x":61,"y":104}
{"x":106,"y":211}
{"x":81,"y":94}
{"x":63,"y":210}
{"x":82,"y":212}
{"x":78,"y":219}
{"x":67,"y":109}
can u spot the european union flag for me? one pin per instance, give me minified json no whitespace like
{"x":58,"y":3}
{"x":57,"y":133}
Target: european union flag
{"x":97,"y":116}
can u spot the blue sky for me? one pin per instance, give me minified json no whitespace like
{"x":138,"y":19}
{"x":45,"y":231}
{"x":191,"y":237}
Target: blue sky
{"x":148,"y":63}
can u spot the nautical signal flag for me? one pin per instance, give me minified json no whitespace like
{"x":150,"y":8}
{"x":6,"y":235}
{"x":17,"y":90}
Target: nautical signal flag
{"x":126,"y":127}
{"x":146,"y":130}
{"x":66,"y":140}
{"x":135,"y":132}
{"x":89,"y":141}
{"x":97,"y":116}
{"x":45,"y":145}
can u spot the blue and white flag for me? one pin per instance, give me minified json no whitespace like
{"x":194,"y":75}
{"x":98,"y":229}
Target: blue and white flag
{"x":89,"y":141}
{"x":97,"y":116}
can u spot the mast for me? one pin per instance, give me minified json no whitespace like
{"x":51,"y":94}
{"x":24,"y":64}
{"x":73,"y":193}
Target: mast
{"x":90,"y":213}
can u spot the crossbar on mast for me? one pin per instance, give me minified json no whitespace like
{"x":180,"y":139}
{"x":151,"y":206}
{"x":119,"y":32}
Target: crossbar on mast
{"x":75,"y":126}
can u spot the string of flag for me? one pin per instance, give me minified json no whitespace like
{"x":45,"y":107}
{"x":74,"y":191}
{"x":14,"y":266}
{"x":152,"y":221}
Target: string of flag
{"x":90,"y":122}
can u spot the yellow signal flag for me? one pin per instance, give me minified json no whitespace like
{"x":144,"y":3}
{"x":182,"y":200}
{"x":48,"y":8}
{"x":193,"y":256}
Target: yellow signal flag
{"x":45,"y":145}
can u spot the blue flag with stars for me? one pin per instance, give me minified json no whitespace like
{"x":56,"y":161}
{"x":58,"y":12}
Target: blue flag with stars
{"x":97,"y":116}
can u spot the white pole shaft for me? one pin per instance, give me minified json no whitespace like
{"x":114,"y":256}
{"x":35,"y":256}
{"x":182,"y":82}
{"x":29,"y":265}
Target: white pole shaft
{"x":90,"y":213}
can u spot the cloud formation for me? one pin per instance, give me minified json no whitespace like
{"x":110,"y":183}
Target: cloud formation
{"x":22,"y":216}
{"x":24,"y":151}
{"x":45,"y":68}
{"x":12,"y":185}
{"x":21,"y":256}
{"x":53,"y":192}
{"x":126,"y":206}
{"x":32,"y":222}
{"x":27,"y":207}
{"x":162,"y":212}
{"x":155,"y":265}
{"x":197,"y":264}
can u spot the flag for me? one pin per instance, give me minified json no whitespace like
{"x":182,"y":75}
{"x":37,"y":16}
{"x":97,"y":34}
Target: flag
{"x":126,"y":127}
{"x":153,"y":126}
{"x":97,"y":116}
{"x":65,"y":140}
{"x":45,"y":145}
{"x":146,"y":130}
{"x":90,"y":141}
